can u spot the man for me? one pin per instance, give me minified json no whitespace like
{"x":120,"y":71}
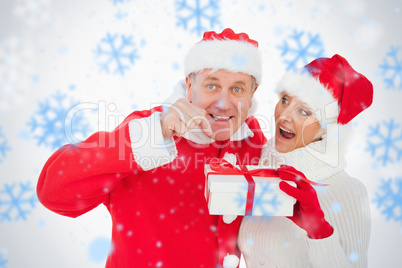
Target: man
{"x":149,"y":171}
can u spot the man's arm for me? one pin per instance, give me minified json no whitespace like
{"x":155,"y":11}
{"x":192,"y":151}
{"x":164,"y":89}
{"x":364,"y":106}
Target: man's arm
{"x":79,"y":177}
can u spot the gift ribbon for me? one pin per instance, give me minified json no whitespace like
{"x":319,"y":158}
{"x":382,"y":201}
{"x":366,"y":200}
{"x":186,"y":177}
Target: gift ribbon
{"x":223,"y":167}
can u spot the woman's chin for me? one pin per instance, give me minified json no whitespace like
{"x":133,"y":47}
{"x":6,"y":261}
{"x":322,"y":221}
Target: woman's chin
{"x":283,"y":146}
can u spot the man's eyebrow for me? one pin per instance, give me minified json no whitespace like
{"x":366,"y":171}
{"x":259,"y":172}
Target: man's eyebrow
{"x":240,"y":82}
{"x":213,"y":78}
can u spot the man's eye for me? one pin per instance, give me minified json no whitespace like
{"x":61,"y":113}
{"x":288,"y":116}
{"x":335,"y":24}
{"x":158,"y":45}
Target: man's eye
{"x":211,"y":86}
{"x":237,"y":89}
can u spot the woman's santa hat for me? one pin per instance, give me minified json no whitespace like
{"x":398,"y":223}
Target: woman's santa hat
{"x":228,"y":51}
{"x":330,"y":86}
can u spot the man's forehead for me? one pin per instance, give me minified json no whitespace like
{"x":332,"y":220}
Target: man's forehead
{"x":237,"y":78}
{"x":217,"y":79}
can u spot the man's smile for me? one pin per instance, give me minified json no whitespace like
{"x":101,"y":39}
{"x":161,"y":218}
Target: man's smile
{"x":220,"y":118}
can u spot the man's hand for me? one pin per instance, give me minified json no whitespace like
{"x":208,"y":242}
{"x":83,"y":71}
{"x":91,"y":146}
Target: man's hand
{"x":182,"y":116}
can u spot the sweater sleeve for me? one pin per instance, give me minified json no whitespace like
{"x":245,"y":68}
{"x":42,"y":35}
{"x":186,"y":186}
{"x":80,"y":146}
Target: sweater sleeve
{"x":79,"y":177}
{"x":346,"y":208}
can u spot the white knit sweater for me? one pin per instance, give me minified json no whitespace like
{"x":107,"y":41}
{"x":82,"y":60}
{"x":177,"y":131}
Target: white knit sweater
{"x":278,"y":242}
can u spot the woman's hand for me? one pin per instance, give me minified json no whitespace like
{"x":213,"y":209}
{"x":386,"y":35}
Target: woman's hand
{"x":307,"y":212}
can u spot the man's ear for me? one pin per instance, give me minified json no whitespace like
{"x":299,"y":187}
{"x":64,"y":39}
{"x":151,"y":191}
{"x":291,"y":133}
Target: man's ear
{"x":189,"y":84}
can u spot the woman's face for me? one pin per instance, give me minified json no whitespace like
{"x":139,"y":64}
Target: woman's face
{"x":295,"y":124}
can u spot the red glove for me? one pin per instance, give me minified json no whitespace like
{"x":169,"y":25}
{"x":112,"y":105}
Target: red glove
{"x":307,"y":213}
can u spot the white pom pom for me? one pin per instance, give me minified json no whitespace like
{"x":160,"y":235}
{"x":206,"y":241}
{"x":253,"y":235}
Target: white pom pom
{"x":230,"y":261}
{"x":228,"y":218}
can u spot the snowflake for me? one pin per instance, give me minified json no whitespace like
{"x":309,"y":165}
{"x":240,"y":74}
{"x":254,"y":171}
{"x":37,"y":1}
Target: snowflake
{"x":395,"y":70}
{"x":53,"y":124}
{"x":3,"y":146}
{"x":265,"y":204}
{"x":121,"y":15}
{"x":302,"y":51}
{"x":16,"y":66}
{"x":389,"y":198}
{"x":120,"y":56}
{"x":389,"y":141}
{"x":200,"y":12}
{"x":3,"y":262}
{"x":115,"y":2}
{"x":19,"y":199}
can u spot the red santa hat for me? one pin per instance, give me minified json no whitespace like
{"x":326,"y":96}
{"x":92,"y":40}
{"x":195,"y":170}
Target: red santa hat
{"x":227,"y":50}
{"x":331,"y":86}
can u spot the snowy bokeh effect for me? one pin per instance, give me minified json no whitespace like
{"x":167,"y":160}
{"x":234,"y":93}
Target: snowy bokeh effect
{"x":16,"y":71}
{"x":69,"y":68}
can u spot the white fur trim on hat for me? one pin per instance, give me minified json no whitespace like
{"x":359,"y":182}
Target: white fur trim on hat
{"x":230,"y":261}
{"x":302,"y":85}
{"x":230,"y":55}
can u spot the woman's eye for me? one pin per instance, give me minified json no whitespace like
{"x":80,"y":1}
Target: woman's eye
{"x":211,"y":86}
{"x":284,"y":100}
{"x":237,"y":89}
{"x":304,"y":112}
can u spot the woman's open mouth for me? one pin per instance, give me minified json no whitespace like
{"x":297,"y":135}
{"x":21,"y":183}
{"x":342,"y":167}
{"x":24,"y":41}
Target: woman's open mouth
{"x":287,"y":134}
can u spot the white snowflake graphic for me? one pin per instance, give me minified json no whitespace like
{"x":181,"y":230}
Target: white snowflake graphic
{"x":51,"y":124}
{"x":202,"y":15}
{"x":389,"y":198}
{"x":385,"y":141}
{"x":4,"y":148}
{"x":16,"y":67}
{"x":16,"y":201}
{"x":112,"y":54}
{"x":300,"y":49}
{"x":393,"y":68}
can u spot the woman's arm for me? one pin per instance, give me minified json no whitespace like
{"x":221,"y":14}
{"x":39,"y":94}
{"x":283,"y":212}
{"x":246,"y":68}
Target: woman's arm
{"x":346,"y":207}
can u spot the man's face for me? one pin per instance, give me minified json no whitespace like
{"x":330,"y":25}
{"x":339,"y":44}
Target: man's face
{"x":225,"y":96}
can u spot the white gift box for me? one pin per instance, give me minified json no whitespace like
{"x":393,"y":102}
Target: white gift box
{"x":227,"y":194}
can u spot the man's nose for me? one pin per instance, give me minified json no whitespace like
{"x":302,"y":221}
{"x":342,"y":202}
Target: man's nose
{"x":223,"y":100}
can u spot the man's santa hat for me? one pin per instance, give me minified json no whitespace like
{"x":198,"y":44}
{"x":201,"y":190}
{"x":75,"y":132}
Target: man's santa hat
{"x":228,"y":51}
{"x":330,"y":86}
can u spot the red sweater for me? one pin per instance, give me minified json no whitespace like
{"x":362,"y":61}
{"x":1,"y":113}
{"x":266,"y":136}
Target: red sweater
{"x":160,"y":216}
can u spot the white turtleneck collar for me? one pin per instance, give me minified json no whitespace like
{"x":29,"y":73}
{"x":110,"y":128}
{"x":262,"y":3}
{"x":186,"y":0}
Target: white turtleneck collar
{"x":318,"y":160}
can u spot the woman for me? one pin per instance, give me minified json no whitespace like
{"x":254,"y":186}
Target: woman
{"x":330,"y":226}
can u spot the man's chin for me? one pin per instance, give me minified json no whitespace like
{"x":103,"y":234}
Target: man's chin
{"x":221,"y":135}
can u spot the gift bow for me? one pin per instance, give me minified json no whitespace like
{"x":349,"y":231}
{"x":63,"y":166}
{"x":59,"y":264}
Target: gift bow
{"x":223,"y":167}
